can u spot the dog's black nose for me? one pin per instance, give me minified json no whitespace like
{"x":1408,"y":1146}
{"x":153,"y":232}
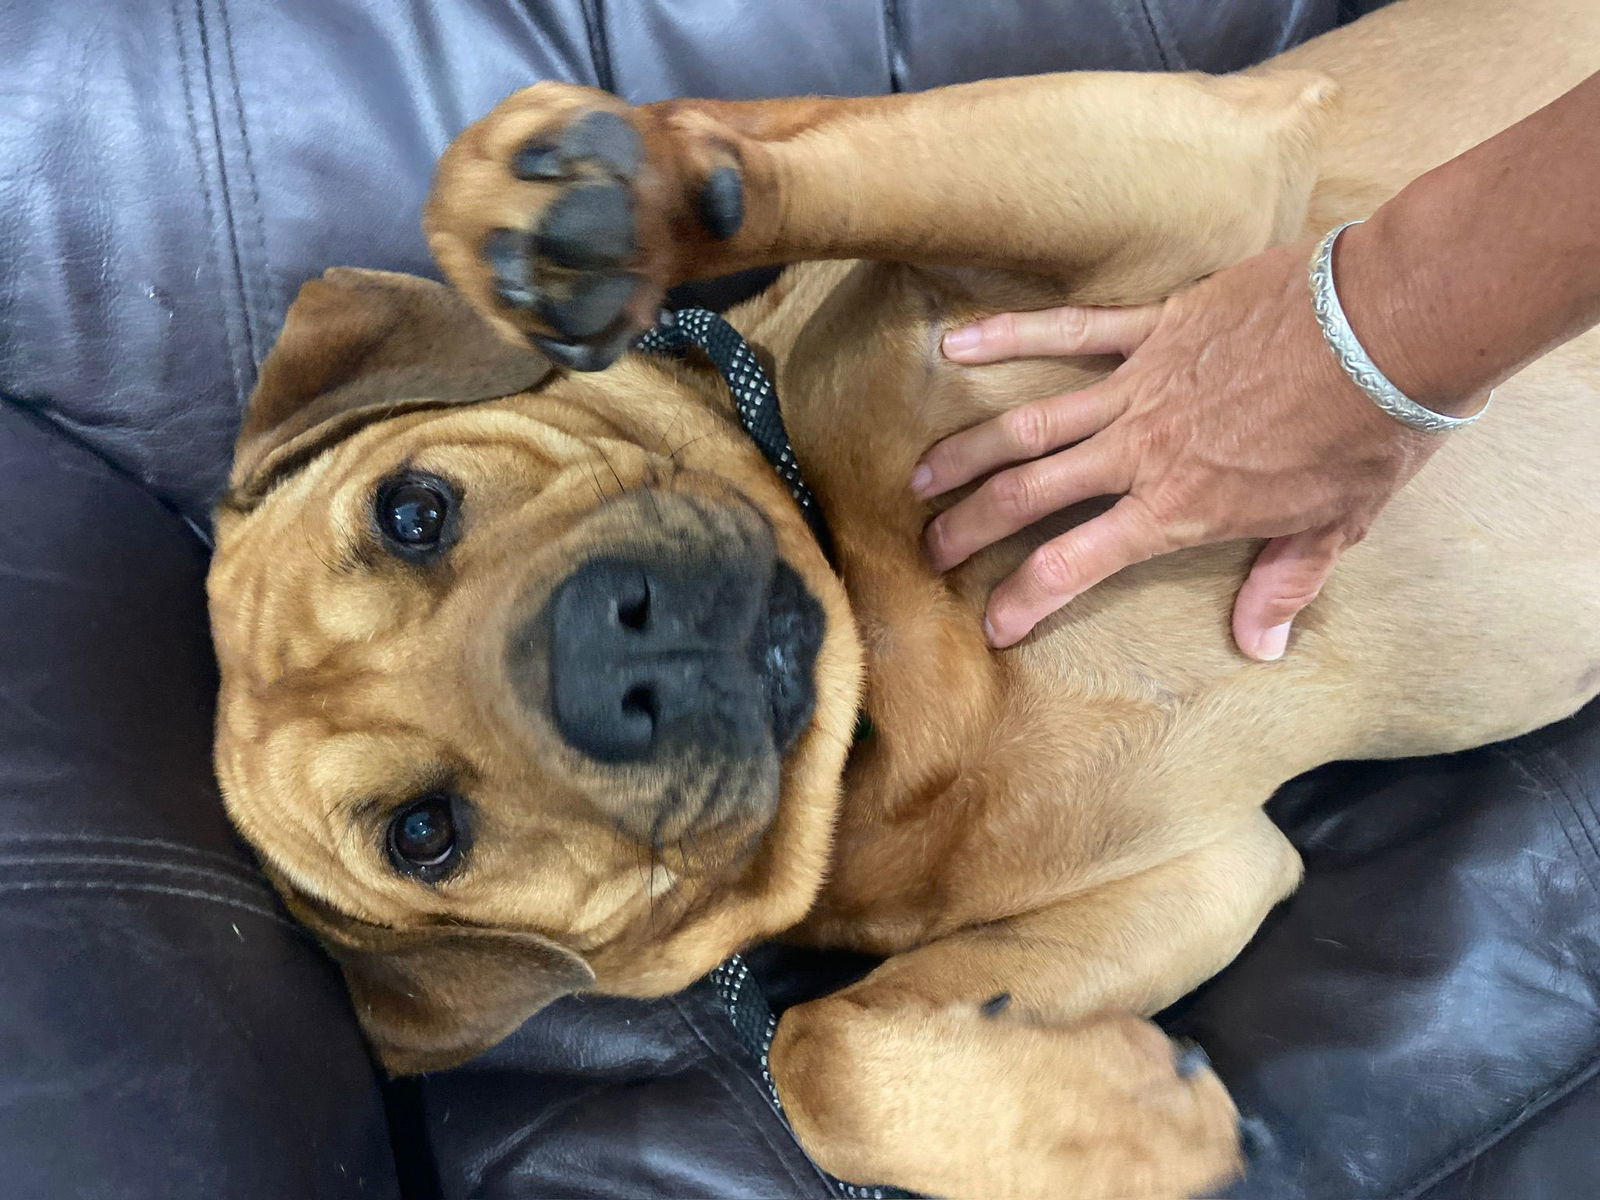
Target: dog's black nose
{"x":646,"y":656}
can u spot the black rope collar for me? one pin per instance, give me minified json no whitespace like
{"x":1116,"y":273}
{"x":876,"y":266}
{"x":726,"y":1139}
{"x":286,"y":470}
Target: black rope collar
{"x":754,"y":397}
{"x":756,"y":400}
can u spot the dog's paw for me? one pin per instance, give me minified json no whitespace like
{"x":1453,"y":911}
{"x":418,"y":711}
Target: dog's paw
{"x":990,"y":1100}
{"x":565,"y":215}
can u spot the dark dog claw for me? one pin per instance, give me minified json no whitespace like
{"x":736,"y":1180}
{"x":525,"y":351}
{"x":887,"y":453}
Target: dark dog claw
{"x":607,"y":138}
{"x":596,"y":301}
{"x":1256,"y":1140}
{"x":589,"y":227}
{"x":995,"y":1005}
{"x":722,"y":202}
{"x":1188,"y":1058}
{"x":538,"y":160}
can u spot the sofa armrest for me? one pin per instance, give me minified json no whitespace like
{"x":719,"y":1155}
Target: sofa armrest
{"x":165,"y":1030}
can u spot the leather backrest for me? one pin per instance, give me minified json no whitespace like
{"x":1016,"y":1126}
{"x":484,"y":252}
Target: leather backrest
{"x":170,"y":173}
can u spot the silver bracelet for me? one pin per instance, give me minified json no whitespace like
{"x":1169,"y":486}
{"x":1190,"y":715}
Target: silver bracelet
{"x":1357,"y":363}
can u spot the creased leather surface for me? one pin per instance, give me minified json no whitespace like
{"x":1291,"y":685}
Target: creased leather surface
{"x":165,"y":1031}
{"x":1419,"y":1021}
{"x":1433,"y":989}
{"x":173,"y":170}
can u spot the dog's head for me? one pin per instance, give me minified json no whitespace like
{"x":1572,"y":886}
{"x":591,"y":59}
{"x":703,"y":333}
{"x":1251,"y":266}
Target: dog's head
{"x":529,"y":683}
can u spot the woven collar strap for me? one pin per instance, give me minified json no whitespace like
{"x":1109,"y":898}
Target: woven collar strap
{"x":754,"y":397}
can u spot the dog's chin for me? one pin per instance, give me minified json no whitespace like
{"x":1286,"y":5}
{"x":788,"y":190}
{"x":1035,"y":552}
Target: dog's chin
{"x":722,"y":833}
{"x":783,"y":654}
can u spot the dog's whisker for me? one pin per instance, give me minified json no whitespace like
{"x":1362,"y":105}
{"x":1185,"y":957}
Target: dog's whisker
{"x":664,"y":438}
{"x":697,"y":438}
{"x":594,"y":481}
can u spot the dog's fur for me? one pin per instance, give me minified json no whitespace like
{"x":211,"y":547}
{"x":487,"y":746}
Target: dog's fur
{"x":1076,"y":822}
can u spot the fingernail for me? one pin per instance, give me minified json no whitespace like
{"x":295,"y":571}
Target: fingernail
{"x":964,"y":338}
{"x":921,"y":479}
{"x":988,"y":633}
{"x":1272,"y":643}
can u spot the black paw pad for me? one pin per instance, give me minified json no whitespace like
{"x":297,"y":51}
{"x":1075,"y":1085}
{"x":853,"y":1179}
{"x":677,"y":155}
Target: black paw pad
{"x":538,"y":160}
{"x":607,"y":138}
{"x":1189,"y":1059}
{"x":506,"y":252}
{"x":601,"y":137}
{"x":995,"y":1005}
{"x":589,"y":227}
{"x":594,"y":303}
{"x":587,"y":356}
{"x":722,"y":202}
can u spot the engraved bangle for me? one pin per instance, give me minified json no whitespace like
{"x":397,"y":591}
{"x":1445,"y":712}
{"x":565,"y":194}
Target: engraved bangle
{"x":1357,"y":363}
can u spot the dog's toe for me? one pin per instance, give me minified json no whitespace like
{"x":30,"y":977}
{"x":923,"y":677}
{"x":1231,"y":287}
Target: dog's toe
{"x":608,"y":139}
{"x":604,"y":140}
{"x":722,"y":202}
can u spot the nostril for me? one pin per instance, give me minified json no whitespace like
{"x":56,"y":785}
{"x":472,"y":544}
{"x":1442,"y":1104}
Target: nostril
{"x":635,"y":731}
{"x":633,"y":607}
{"x":639,"y":703}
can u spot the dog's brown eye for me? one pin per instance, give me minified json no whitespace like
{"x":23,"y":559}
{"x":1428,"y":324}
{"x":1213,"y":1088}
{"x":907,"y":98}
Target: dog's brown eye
{"x":416,"y":515}
{"x":423,"y":837}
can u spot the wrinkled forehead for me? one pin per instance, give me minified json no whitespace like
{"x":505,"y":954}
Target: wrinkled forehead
{"x":493,"y":443}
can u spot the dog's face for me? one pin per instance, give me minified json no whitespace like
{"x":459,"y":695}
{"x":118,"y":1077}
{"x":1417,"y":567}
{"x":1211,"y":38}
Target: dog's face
{"x":528,"y":683}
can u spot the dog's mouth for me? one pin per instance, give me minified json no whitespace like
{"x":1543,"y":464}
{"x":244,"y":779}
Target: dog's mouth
{"x":783,"y":654}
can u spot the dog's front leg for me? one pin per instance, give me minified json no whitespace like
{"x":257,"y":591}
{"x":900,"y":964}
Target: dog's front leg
{"x":1011,"y":1059}
{"x":566,"y":213}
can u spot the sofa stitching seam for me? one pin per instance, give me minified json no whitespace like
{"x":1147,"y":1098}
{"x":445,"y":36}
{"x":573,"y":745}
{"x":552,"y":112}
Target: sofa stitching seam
{"x":894,"y":45}
{"x":189,"y":108}
{"x":226,"y":194}
{"x":1448,"y":1164}
{"x":259,"y":221}
{"x":128,"y":840}
{"x":118,"y":885}
{"x":599,"y":46}
{"x":154,"y":866}
{"x":1160,"y":43}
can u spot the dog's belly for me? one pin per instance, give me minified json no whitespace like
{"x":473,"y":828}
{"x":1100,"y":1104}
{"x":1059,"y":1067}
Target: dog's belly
{"x":1472,"y":612}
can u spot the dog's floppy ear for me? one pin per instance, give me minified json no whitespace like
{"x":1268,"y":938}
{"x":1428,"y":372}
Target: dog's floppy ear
{"x":360,"y":346}
{"x":433,"y":997}
{"x":438,"y":997}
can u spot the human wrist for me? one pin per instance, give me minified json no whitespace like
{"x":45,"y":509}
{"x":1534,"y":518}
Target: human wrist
{"x":1396,"y":296}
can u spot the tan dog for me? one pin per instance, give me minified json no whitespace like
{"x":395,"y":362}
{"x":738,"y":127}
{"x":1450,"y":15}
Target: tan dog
{"x":539,"y":683}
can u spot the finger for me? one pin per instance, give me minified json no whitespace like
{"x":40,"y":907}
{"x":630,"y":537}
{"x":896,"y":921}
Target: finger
{"x":1025,"y":432}
{"x":1070,"y":330}
{"x":1069,"y":565}
{"x":1015,"y":499}
{"x":1288,"y":574}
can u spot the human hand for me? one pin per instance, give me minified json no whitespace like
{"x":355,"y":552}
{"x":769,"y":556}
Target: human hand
{"x":1230,"y":418}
